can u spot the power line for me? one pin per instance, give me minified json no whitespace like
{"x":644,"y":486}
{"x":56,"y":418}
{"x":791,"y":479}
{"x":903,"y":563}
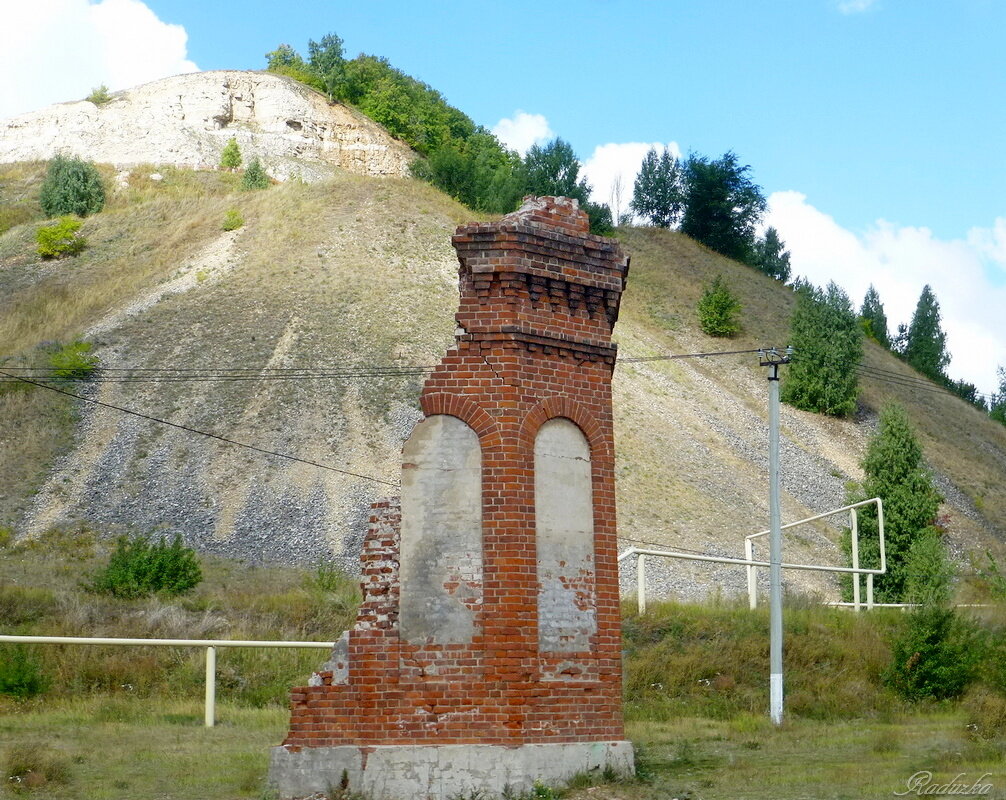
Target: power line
{"x":201,"y":433}
{"x":286,"y":374}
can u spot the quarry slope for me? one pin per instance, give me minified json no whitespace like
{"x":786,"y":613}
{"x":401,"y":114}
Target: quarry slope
{"x":359,"y":271}
{"x":186,"y":120}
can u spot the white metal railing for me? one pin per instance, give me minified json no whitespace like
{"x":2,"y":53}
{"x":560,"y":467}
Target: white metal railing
{"x":211,"y":645}
{"x":751,"y":564}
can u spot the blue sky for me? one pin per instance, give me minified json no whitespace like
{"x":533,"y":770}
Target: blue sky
{"x":876,"y":127}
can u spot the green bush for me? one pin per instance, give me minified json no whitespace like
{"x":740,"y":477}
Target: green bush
{"x":718,"y":309}
{"x":73,"y":362}
{"x":232,"y":220}
{"x":937,"y":655}
{"x":255,"y":177}
{"x":138,"y":568}
{"x":61,"y":238}
{"x":21,"y":673}
{"x":99,"y":96}
{"x":71,"y":186}
{"x":230,"y":158}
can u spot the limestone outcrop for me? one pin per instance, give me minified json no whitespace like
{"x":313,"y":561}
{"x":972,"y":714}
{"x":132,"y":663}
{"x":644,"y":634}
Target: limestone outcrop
{"x":187,"y":120}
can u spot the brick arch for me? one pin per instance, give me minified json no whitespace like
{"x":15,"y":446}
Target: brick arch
{"x":467,"y":411}
{"x":598,"y":435}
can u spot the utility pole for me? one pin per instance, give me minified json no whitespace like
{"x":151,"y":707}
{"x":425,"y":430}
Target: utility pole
{"x":772,"y":359}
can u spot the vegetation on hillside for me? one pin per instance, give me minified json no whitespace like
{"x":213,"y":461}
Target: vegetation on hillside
{"x":71,"y":186}
{"x":895,"y":472}
{"x":463,"y":159}
{"x":827,"y":342}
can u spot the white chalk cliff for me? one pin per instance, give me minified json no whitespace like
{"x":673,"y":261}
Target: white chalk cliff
{"x":187,"y":120}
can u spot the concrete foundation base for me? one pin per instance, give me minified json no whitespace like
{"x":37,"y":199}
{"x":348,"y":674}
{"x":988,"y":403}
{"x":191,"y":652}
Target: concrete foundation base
{"x":439,"y":772}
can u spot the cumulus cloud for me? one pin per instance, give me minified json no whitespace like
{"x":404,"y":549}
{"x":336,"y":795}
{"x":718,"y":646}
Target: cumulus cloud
{"x":899,"y":261}
{"x":613,"y":161}
{"x":59,"y":50}
{"x":521,"y":131}
{"x":855,"y":6}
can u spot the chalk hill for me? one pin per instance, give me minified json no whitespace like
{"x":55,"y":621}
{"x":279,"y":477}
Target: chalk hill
{"x":186,"y":120}
{"x":359,"y":271}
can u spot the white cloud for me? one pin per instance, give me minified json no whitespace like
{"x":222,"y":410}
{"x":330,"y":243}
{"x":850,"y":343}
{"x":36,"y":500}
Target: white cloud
{"x":855,"y":6}
{"x":523,"y":130}
{"x":61,"y":49}
{"x":619,"y":160}
{"x":899,"y":261}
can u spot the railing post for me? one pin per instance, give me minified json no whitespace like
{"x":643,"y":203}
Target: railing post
{"x":752,"y":575}
{"x":855,"y":560}
{"x":869,"y":591}
{"x":641,"y":583}
{"x":211,"y":686}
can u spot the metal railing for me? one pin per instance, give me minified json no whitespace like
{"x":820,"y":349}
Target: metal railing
{"x":751,"y":564}
{"x":211,"y":645}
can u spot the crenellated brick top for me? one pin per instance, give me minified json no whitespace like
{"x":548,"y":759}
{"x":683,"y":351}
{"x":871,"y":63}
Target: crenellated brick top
{"x":539,"y":275}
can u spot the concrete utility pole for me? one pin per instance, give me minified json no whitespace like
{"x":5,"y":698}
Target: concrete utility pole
{"x":772,"y":359}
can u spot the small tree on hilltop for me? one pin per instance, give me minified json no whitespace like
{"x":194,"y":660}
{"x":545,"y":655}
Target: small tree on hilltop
{"x":771,"y":256}
{"x":873,"y":317}
{"x":828,"y":343}
{"x":926,"y":343}
{"x":895,"y":473}
{"x":255,"y":177}
{"x":722,"y":205}
{"x":230,"y":158}
{"x":997,"y":403}
{"x":656,"y":195}
{"x":718,"y":309}
{"x":71,"y":186}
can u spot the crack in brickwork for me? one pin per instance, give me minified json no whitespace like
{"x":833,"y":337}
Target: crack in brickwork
{"x":538,"y":298}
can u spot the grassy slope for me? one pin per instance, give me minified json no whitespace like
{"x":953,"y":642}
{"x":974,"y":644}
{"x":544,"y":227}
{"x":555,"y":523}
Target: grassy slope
{"x":361,"y":270}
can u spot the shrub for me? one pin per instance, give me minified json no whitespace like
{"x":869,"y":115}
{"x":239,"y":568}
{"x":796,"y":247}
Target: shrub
{"x":138,"y":568}
{"x":71,"y":186}
{"x":937,"y":655}
{"x":718,"y":309}
{"x":232,"y":220}
{"x":62,"y":238}
{"x":255,"y":177}
{"x":230,"y":158}
{"x":73,"y":362}
{"x":99,"y":96}
{"x":21,"y":673}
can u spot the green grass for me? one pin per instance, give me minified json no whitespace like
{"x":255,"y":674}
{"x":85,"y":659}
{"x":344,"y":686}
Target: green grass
{"x":118,"y":723}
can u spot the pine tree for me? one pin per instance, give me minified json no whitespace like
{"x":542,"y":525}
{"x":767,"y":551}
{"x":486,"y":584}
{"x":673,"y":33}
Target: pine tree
{"x":828,"y":344}
{"x":255,"y":177}
{"x":656,"y":195}
{"x":873,"y":317}
{"x":895,"y":473}
{"x":997,"y":403}
{"x":926,"y":343}
{"x":230,"y":158}
{"x":771,"y":257}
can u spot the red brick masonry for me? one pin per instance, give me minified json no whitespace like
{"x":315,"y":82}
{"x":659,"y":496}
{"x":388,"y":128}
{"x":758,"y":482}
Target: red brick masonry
{"x":539,"y":298}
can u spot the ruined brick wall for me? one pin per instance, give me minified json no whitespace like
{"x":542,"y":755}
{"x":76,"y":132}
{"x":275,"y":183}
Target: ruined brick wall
{"x":538,"y":656}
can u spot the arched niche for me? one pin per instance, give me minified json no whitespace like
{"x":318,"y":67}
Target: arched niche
{"x":564,"y":522}
{"x":441,"y":546}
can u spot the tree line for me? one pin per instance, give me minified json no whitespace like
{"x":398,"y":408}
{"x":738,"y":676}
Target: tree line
{"x":714,"y":201}
{"x":461,"y":158}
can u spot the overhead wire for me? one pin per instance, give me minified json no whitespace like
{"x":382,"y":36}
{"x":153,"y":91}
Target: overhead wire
{"x":223,"y":439}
